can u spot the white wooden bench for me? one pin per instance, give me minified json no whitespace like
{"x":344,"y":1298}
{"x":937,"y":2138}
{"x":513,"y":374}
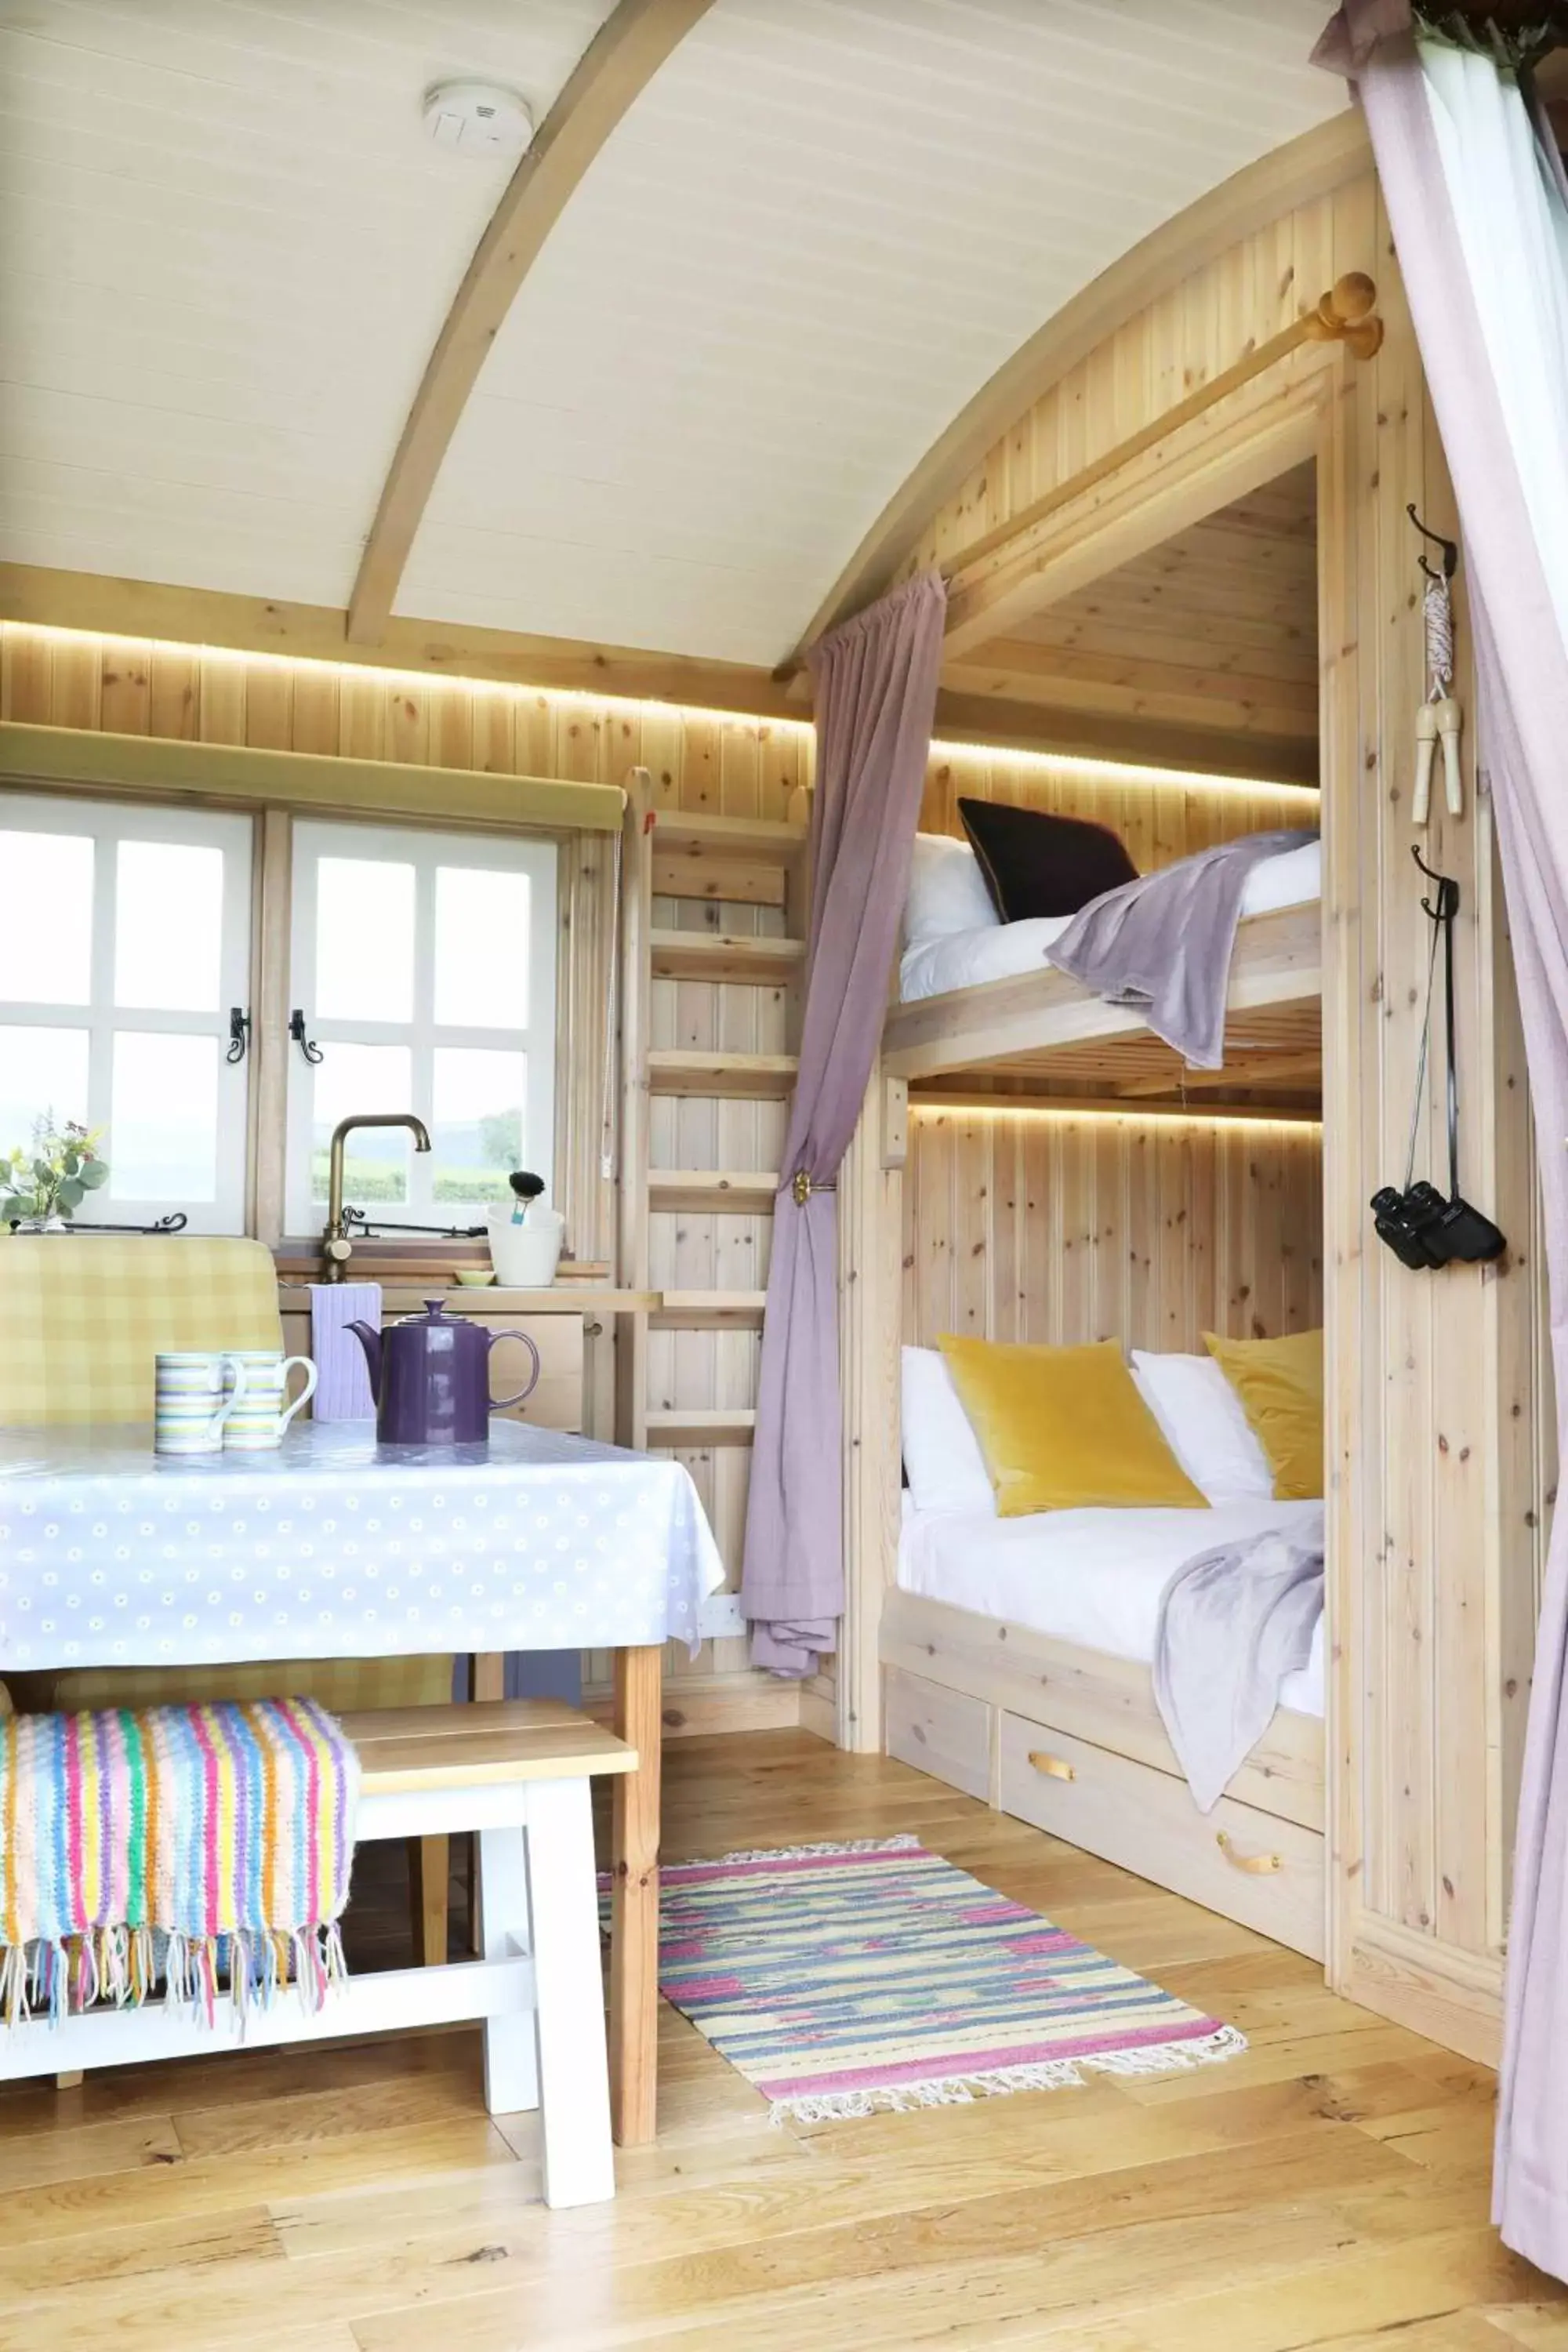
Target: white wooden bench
{"x":517,"y":1773}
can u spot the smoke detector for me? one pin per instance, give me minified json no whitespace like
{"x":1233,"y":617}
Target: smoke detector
{"x":477,"y":118}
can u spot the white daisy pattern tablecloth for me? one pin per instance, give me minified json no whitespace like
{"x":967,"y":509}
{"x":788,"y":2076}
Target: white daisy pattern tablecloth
{"x":339,"y":1547}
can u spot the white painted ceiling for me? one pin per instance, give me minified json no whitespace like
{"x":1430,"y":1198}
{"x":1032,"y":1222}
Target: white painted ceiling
{"x":227,"y":247}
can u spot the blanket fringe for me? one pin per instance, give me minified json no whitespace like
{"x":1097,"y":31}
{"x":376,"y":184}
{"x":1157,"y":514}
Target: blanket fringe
{"x":121,"y":1967}
{"x":1045,"y":2075}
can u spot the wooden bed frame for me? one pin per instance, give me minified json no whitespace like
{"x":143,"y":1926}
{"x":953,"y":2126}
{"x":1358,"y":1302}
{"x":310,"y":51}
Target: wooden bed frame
{"x":1070,"y":1739}
{"x":1047,"y":1031}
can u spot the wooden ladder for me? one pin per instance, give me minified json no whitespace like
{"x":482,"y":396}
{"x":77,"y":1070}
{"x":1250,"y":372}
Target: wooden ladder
{"x":717,"y":906}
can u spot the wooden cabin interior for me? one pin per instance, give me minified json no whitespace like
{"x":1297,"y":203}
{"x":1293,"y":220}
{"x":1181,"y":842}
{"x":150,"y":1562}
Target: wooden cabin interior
{"x":434,"y":441}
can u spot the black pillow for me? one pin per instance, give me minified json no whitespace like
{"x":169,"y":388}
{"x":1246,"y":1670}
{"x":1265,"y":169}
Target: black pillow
{"x":1038,"y":863}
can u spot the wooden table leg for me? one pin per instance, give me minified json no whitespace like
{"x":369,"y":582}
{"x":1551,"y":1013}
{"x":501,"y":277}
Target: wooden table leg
{"x":634,"y":1902}
{"x":488,"y":1675}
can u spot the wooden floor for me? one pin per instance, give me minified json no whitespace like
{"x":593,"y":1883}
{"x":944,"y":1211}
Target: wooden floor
{"x":1327,"y":2187}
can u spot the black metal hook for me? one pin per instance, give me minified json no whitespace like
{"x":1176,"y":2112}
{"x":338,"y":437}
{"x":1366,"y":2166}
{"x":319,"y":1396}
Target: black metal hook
{"x":1448,"y":904}
{"x":238,"y":1032}
{"x":1449,"y":547}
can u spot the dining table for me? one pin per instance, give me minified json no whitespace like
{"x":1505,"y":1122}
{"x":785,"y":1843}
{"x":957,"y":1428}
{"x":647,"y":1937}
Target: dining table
{"x":335,"y":1545}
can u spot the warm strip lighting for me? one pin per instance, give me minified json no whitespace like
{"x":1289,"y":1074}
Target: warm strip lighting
{"x":1135,"y":1114}
{"x":424,"y":679}
{"x":1114,"y":771}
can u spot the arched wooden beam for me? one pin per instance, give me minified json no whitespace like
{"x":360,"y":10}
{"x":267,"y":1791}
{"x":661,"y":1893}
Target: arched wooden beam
{"x":1312,"y":165}
{"x":616,"y":67}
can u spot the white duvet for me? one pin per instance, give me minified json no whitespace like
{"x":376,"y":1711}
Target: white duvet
{"x":1090,"y":1577}
{"x":998,"y":951}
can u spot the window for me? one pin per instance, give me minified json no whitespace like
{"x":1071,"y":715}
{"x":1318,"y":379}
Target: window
{"x":124,"y":942}
{"x":424,"y":967}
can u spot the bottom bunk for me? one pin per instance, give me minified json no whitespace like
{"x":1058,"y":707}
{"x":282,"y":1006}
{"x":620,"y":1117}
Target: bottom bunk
{"x":1069,"y":1738}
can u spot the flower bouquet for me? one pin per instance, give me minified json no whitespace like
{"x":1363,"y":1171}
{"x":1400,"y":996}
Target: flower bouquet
{"x":44,"y":1185}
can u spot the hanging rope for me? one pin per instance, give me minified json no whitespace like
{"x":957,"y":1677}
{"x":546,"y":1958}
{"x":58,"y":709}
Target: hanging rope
{"x":1437,"y":615}
{"x":1438,"y":721}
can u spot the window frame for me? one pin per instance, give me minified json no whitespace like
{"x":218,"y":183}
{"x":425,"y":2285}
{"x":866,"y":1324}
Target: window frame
{"x":427,"y":847}
{"x":107,"y":824}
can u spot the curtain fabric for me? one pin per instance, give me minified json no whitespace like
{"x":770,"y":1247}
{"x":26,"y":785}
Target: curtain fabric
{"x":875,"y":681}
{"x":1477,"y":201}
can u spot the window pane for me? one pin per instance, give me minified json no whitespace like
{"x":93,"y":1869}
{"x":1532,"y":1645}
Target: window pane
{"x":43,"y":1074}
{"x":364,"y":942}
{"x":168,"y":926}
{"x":162,"y":1122}
{"x":375,"y":1164}
{"x":46,"y":918}
{"x":477,"y":1128}
{"x":481,"y":948}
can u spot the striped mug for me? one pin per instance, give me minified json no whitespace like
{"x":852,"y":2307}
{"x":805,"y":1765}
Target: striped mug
{"x":263,"y":1412}
{"x":195,"y":1392}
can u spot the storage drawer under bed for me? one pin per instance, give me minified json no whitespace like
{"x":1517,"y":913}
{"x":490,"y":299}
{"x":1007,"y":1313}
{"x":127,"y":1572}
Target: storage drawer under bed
{"x":1252,"y":1866}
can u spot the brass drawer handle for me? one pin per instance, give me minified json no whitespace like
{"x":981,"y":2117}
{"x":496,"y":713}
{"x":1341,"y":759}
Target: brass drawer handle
{"x":1055,"y":1767}
{"x":1257,"y":1865}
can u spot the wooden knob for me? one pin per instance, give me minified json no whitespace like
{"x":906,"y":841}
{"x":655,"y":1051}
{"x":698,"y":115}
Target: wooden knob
{"x":1351,"y":295}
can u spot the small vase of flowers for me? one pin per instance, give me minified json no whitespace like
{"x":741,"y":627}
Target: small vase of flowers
{"x":44,"y":1183}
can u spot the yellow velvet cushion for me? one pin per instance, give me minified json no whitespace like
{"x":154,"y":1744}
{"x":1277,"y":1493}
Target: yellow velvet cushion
{"x":1064,"y":1429}
{"x":1281,"y":1384}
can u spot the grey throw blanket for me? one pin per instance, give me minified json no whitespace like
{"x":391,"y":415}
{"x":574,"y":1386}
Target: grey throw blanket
{"x":1233,"y":1623}
{"x":1164,"y":942}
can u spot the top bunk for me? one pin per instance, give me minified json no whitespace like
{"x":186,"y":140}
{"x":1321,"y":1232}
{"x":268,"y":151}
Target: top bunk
{"x":1042,"y":1032}
{"x":1195,"y":663}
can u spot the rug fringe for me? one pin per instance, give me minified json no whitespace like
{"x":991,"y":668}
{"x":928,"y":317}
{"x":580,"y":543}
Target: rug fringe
{"x":903,"y":1842}
{"x":1045,"y":2075}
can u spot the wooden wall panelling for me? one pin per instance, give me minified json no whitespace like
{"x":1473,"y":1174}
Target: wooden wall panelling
{"x":1059,"y":1228}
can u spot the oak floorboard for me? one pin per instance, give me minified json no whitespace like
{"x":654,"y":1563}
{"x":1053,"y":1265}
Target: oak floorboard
{"x":1324,"y":2191}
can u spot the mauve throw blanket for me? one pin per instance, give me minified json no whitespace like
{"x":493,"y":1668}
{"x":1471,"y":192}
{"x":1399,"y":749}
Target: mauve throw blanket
{"x":876,"y":698}
{"x":1233,"y":1623}
{"x":1164,"y":942}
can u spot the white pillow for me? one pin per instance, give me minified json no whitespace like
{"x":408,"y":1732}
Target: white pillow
{"x":947,"y":891}
{"x":942,"y":1459}
{"x":1202,"y":1423}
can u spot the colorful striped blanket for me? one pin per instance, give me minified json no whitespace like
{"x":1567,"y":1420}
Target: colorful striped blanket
{"x":206,"y":1845}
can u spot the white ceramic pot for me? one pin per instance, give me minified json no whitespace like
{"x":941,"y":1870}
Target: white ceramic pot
{"x":525,"y":1256}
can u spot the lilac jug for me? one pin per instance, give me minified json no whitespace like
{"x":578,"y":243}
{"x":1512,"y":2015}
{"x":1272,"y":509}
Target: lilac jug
{"x":430,"y":1378}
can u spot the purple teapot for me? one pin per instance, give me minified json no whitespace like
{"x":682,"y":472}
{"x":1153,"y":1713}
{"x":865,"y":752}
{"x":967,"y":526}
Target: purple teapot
{"x":430,"y":1378}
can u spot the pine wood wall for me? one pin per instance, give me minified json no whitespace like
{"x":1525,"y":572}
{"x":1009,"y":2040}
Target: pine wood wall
{"x":1062,"y":1227}
{"x":1441,"y":1419}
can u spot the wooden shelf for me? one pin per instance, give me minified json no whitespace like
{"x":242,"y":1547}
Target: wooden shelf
{"x":691,"y":1429}
{"x":735,"y":1077}
{"x":749,"y":1192}
{"x":746,"y":963}
{"x":708,"y":1311}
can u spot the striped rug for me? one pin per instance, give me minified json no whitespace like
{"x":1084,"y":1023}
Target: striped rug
{"x":840,"y":1979}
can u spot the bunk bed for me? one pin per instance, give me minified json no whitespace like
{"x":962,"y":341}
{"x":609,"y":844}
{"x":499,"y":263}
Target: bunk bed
{"x":1028,"y":1702}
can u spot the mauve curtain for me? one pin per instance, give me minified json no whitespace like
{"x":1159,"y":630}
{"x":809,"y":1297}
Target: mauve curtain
{"x":876,"y":699}
{"x":1478,"y":206}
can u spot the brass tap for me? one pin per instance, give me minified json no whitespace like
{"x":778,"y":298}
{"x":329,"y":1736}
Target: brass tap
{"x":336,"y":1246}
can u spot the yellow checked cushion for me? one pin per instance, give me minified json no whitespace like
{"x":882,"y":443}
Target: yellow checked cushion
{"x":81,"y":1319}
{"x":1064,"y":1429}
{"x":1281,"y":1384}
{"x":342,"y":1685}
